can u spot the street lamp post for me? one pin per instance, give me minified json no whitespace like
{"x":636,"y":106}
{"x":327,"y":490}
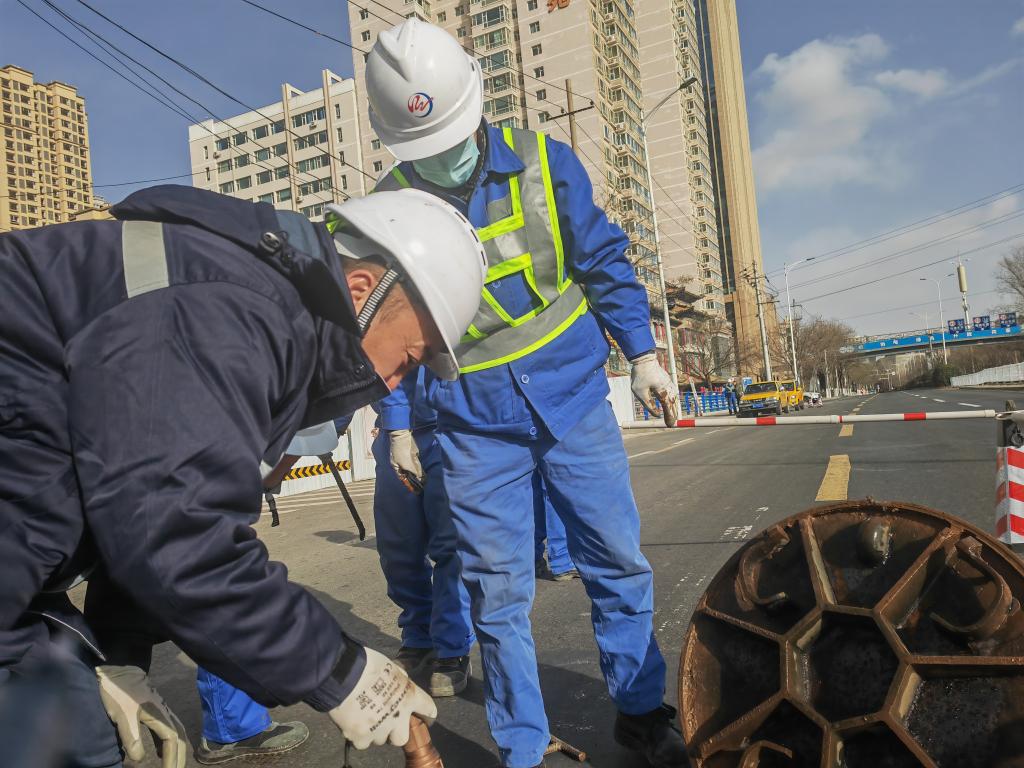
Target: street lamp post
{"x":942,"y":321}
{"x":789,"y":314}
{"x":669,"y":341}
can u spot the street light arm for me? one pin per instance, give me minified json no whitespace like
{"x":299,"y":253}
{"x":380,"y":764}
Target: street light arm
{"x":685,"y":84}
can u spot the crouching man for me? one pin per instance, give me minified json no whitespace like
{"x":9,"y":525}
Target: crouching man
{"x":152,"y":370}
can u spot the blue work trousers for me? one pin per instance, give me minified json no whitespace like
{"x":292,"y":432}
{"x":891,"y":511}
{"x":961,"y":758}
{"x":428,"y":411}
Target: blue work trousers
{"x":413,"y":531}
{"x":548,"y":529}
{"x":489,"y":478}
{"x":229,"y":715}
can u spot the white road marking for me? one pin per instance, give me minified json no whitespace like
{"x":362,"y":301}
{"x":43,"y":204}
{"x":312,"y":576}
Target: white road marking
{"x":661,"y":450}
{"x":969,"y":405}
{"x":937,"y":400}
{"x":737,"y":532}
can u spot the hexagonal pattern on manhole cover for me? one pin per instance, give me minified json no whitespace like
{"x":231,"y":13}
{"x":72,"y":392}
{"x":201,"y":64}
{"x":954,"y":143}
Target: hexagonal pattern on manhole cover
{"x":899,"y":634}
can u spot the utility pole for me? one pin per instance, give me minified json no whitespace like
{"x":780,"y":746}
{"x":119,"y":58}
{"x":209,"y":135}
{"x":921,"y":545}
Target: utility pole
{"x":760,"y":323}
{"x":961,"y":276}
{"x":572,"y":115}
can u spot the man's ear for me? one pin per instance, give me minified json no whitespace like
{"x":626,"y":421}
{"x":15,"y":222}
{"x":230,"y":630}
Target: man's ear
{"x":361,"y":283}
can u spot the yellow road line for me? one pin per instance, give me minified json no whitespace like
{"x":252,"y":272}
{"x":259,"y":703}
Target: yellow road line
{"x":835,"y":484}
{"x":846,"y":430}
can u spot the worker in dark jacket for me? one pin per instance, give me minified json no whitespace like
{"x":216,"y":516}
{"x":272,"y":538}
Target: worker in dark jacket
{"x":152,"y":371}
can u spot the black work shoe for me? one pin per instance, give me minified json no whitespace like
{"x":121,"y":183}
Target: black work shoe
{"x":277,"y":738}
{"x":655,"y":735}
{"x":450,"y":676}
{"x":569,"y":575}
{"x":412,"y":660}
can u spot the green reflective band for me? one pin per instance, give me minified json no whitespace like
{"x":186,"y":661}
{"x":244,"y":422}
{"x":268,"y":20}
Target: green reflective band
{"x":332,"y":221}
{"x":543,"y":341}
{"x":400,"y":178}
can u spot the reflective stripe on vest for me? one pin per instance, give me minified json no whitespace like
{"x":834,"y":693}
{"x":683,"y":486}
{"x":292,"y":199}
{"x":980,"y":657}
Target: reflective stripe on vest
{"x":524,"y":238}
{"x":144,"y":257}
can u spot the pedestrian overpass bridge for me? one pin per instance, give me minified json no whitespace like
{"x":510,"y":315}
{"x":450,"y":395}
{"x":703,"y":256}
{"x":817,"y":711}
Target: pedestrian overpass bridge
{"x":874,"y":346}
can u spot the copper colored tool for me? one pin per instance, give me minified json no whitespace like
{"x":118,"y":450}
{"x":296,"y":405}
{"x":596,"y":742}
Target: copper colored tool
{"x":557,"y":745}
{"x":419,"y":750}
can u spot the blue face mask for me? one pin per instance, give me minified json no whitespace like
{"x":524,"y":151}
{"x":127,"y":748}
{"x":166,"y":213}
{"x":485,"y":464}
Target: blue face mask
{"x":451,"y":168}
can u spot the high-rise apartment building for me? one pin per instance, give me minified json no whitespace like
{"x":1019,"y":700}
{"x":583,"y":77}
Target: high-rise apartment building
{"x":615,"y":62}
{"x":46,"y":174}
{"x":300,"y":153}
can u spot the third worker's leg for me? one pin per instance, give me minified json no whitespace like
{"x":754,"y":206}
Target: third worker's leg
{"x":587,"y":477}
{"x":559,"y":563}
{"x":489,"y":479}
{"x":451,"y":629}
{"x":402,"y":547}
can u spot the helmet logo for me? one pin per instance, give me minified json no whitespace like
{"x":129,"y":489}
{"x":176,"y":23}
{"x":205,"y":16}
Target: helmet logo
{"x":420,"y":104}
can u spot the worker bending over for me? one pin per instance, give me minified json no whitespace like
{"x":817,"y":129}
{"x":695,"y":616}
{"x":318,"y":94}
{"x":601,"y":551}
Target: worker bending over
{"x":153,"y":369}
{"x":532,"y":391}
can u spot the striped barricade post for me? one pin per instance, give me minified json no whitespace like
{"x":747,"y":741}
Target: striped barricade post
{"x":1009,"y":526}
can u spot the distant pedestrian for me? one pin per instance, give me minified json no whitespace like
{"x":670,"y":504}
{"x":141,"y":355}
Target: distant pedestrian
{"x":730,"y":396}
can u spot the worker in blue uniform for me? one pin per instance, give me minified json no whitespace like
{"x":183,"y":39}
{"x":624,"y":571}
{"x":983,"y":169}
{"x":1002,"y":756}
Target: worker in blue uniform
{"x":532,"y":390}
{"x":551,"y":550}
{"x":416,"y":540}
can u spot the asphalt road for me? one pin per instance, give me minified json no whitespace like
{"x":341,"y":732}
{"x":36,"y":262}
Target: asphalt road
{"x":701,"y":493}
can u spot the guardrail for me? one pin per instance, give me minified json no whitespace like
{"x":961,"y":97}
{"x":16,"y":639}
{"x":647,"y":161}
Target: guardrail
{"x":795,"y":421}
{"x":1003,"y":374}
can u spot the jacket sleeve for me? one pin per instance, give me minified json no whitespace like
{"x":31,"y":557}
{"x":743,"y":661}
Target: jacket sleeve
{"x":396,"y":409}
{"x":175,"y":396}
{"x":596,"y":252}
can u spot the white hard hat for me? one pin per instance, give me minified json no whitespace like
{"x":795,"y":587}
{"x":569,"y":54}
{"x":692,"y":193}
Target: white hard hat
{"x":314,"y":441}
{"x":429,"y":243}
{"x":425,"y":91}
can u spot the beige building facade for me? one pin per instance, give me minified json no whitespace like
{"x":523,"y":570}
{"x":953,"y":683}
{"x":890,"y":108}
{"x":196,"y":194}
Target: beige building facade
{"x":299,"y":154}
{"x":46,"y":173}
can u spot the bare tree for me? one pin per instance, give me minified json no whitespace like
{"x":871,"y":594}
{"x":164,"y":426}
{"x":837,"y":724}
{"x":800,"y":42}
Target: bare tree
{"x":1010,"y":276}
{"x":709,"y":352}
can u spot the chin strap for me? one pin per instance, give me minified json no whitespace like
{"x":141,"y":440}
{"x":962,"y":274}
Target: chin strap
{"x":376,"y":298}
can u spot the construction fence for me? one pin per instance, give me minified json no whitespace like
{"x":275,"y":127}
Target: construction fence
{"x":1003,"y":374}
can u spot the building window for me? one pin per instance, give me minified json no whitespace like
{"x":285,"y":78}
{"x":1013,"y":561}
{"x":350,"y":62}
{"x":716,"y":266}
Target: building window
{"x":224,"y":166}
{"x":340,"y":135}
{"x":462,"y":32}
{"x":284,"y":194}
{"x":223,"y":144}
{"x":267,"y":198}
{"x":264,"y":177}
{"x":364,"y":14}
{"x":242,"y":160}
{"x":375,"y":144}
{"x":261,"y":132}
{"x":534,"y":27}
{"x":282,"y":172}
{"x":337,"y":111}
{"x":459,"y":10}
{"x":344,"y":181}
{"x":531,"y":5}
{"x":207,"y":174}
{"x":277,"y":126}
{"x":281,"y":149}
{"x":307,"y":118}
{"x":240,"y":138}
{"x":245,"y":182}
{"x":543,"y":117}
{"x":206,"y":152}
{"x":262,"y":154}
{"x":227,"y":188}
{"x":366,"y":36}
{"x":378,"y":166}
{"x":304,"y":166}
{"x":442,"y":17}
{"x":538,"y":72}
{"x":542,"y":94}
{"x":537,"y":49}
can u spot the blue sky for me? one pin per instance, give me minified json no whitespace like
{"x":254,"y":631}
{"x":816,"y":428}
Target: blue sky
{"x":864,"y":116}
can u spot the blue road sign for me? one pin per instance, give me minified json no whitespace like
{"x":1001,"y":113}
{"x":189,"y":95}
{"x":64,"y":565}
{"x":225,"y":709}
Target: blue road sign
{"x":982,"y":323}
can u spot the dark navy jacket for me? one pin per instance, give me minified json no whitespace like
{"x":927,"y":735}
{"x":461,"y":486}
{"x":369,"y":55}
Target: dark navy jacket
{"x":144,"y":422}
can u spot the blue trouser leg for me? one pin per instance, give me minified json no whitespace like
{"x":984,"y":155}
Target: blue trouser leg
{"x":402,"y":547}
{"x":451,"y":628}
{"x":587,"y":477}
{"x":229,"y":715}
{"x":489,"y":479}
{"x":558,"y":550}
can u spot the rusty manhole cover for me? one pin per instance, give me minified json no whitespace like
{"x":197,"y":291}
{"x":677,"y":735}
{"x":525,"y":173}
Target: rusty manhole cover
{"x":859,"y":635}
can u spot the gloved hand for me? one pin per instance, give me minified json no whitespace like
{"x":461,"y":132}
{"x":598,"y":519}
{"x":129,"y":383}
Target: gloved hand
{"x":131,"y":702}
{"x":379,"y":707}
{"x":650,"y":382}
{"x":405,"y":459}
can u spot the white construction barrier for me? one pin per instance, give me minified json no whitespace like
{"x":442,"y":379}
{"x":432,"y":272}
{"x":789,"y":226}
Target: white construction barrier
{"x":1010,"y":495}
{"x":793,"y":421}
{"x":352,"y":457}
{"x":1003,"y":374}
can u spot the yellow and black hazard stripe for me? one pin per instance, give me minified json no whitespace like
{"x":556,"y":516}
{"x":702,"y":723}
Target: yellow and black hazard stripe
{"x":317,"y":469}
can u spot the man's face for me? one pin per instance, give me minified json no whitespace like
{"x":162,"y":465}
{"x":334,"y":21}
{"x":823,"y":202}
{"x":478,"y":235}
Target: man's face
{"x":401,"y":335}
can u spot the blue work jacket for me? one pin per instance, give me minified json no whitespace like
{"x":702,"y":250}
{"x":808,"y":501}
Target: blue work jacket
{"x":557,"y":384}
{"x":407,"y":406}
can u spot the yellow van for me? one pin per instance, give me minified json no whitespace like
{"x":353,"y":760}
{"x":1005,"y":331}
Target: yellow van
{"x":762,"y":398}
{"x":793,"y":395}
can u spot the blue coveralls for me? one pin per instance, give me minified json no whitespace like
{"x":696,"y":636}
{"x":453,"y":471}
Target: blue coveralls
{"x":547,"y":412}
{"x":415,"y":530}
{"x":549,"y":530}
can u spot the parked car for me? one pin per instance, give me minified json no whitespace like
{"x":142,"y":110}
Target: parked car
{"x":793,"y":395}
{"x":762,"y":398}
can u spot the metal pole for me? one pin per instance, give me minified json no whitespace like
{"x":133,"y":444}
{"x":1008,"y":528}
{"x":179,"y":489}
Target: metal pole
{"x":670,"y":346}
{"x":792,"y":338}
{"x":764,"y":332}
{"x":961,"y":276}
{"x":572,"y":115}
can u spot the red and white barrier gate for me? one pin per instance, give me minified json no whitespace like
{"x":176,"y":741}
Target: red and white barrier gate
{"x":793,"y":421}
{"x":1010,"y":495}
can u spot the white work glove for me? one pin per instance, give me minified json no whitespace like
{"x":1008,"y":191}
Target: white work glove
{"x":650,"y":382}
{"x":379,"y":707}
{"x":405,"y":459}
{"x":131,"y":702}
